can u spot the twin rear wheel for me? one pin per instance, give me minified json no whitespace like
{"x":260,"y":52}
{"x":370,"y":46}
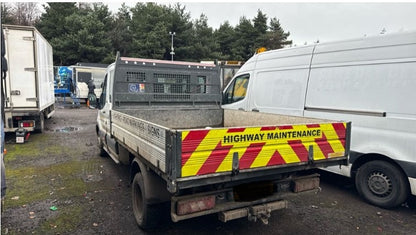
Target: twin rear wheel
{"x":382,"y":184}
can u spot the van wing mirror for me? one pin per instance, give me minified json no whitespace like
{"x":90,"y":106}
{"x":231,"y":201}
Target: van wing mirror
{"x":99,"y":103}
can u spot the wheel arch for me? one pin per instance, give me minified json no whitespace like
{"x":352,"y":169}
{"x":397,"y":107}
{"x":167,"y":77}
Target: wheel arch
{"x":368,"y":157}
{"x":155,"y":187}
{"x":134,"y":169}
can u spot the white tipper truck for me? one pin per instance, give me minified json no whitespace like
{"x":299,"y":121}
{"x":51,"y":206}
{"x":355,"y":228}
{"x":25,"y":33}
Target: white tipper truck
{"x":191,"y":158}
{"x":29,"y":91}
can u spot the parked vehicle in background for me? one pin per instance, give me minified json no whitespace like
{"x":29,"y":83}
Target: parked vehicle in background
{"x":82,"y":73}
{"x":164,"y":118}
{"x":29,"y":88}
{"x":228,"y":68}
{"x":4,"y":68}
{"x":369,"y":81}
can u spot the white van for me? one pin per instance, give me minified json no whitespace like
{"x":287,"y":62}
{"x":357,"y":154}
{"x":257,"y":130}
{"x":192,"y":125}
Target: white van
{"x":370,"y":81}
{"x":82,"y":73}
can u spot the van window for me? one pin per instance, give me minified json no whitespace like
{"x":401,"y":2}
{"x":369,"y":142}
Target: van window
{"x":237,"y":90}
{"x":84,"y":77}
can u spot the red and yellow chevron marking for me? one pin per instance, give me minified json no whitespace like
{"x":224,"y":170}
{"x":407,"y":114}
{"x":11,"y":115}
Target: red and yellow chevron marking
{"x":211,"y":151}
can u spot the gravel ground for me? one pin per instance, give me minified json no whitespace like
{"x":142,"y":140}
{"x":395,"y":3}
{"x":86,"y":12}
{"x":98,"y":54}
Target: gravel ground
{"x":58,"y":184}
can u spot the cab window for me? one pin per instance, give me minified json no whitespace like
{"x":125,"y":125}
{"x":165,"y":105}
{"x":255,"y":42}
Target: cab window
{"x":103,"y":93}
{"x":237,"y":90}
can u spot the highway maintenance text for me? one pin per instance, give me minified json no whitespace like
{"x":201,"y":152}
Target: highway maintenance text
{"x":287,"y":134}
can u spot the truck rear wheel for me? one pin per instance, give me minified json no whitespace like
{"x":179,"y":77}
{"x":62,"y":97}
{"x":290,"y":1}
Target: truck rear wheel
{"x":147,"y":216}
{"x":40,"y":123}
{"x":382,"y":184}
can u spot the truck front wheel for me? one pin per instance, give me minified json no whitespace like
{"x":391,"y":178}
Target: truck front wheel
{"x":147,"y":216}
{"x":103,"y":153}
{"x":382,"y":184}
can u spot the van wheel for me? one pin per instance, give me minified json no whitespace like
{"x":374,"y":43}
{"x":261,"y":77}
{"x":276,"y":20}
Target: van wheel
{"x":382,"y":184}
{"x":147,"y":216}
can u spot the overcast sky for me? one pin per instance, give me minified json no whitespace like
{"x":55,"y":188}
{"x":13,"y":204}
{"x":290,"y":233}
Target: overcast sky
{"x":309,"y":22}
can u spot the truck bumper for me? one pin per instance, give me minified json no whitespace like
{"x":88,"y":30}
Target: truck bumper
{"x":255,"y":200}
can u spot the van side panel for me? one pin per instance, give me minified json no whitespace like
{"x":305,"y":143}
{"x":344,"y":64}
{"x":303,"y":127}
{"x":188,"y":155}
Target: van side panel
{"x":371,"y":83}
{"x":368,"y":86}
{"x":283,"y":91}
{"x":280,"y":81}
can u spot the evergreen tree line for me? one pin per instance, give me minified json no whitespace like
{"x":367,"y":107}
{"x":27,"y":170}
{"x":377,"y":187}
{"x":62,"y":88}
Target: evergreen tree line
{"x":89,"y":32}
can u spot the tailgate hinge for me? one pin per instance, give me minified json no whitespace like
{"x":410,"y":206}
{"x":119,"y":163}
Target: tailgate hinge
{"x":236,"y":164}
{"x":310,"y":154}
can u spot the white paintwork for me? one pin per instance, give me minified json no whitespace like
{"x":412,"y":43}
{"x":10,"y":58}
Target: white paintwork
{"x":412,"y":182}
{"x":369,"y":81}
{"x":44,"y":66}
{"x":97,"y":74}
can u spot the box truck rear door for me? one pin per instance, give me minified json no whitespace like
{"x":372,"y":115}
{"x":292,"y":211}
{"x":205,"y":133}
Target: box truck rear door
{"x":22,"y":75}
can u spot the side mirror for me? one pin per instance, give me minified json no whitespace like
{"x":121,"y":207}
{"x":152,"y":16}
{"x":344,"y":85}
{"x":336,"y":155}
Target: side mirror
{"x":224,"y":98}
{"x":99,"y":102}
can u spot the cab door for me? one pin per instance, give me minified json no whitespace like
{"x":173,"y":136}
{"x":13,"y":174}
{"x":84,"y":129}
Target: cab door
{"x":105,"y":106}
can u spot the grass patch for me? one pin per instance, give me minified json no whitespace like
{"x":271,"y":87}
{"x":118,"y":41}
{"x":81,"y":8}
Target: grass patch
{"x":32,"y":184}
{"x":67,"y":220}
{"x":28,"y":149}
{"x":33,"y":149}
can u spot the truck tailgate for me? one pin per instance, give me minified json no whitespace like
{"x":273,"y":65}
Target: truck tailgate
{"x":209,"y":151}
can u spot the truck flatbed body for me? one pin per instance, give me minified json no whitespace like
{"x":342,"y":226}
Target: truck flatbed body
{"x":224,"y":152}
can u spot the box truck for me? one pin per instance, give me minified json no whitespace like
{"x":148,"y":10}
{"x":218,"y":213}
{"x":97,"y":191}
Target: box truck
{"x":369,"y":81}
{"x":190,"y":158}
{"x":29,"y":91}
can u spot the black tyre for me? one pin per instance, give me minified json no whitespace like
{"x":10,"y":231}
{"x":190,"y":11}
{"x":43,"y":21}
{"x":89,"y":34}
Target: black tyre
{"x":103,"y":153}
{"x":40,"y":124}
{"x":382,"y":184}
{"x":147,"y":216}
{"x":411,"y":202}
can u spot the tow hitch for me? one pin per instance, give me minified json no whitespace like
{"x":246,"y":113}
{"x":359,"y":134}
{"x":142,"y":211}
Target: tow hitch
{"x":261,"y":212}
{"x":253,"y":213}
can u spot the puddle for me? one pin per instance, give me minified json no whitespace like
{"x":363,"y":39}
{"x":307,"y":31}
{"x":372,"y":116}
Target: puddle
{"x":67,"y":129}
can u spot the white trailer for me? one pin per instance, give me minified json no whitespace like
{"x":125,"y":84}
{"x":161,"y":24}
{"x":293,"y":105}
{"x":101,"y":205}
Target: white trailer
{"x":29,"y":93}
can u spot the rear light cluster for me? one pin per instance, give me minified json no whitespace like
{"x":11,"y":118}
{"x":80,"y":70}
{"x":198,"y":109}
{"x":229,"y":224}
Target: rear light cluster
{"x":193,"y":205}
{"x":26,"y":123}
